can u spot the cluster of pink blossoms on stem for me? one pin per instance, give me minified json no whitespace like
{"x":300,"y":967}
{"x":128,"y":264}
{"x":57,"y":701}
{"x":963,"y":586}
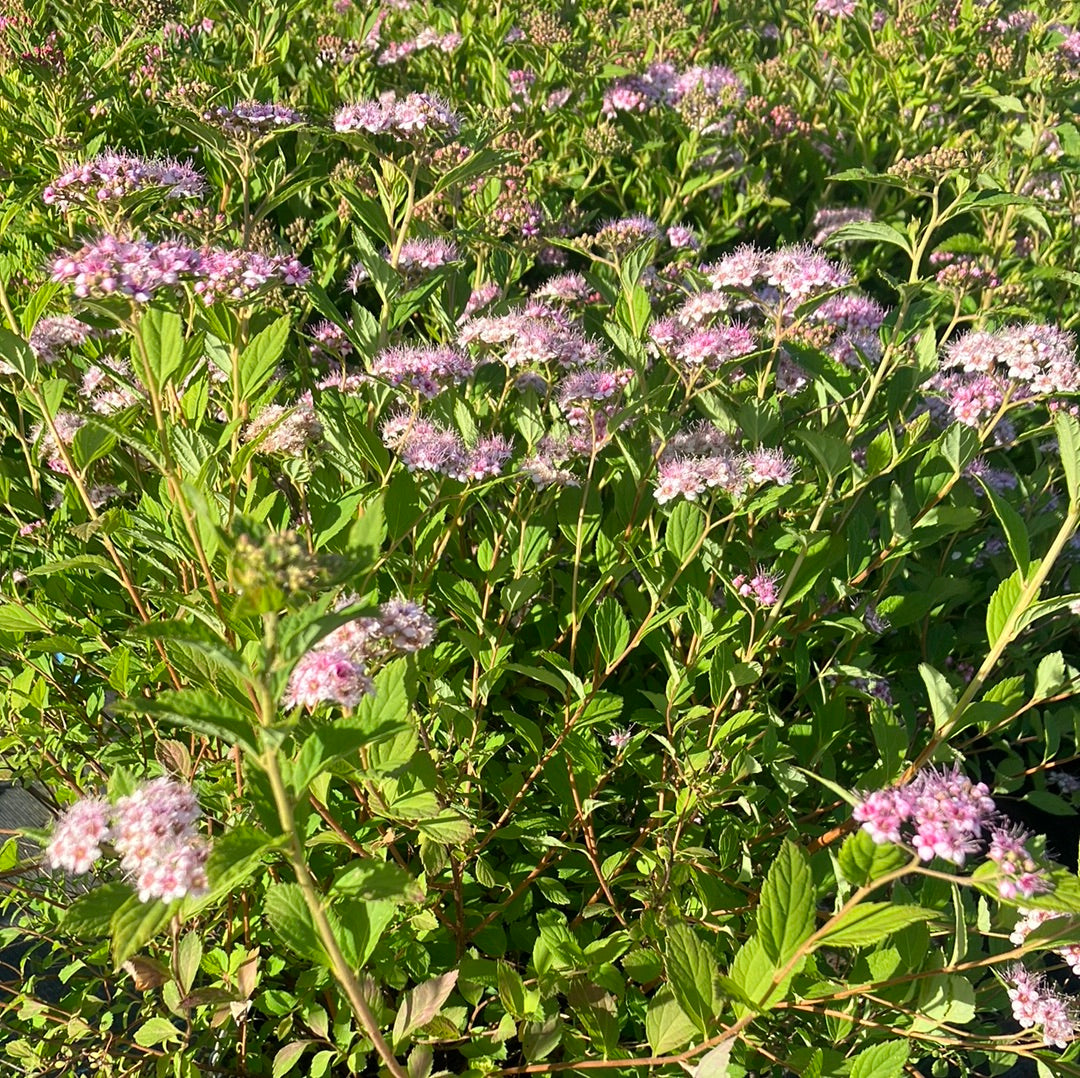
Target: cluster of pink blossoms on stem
{"x":1039,"y":357}
{"x":113,"y":266}
{"x":1029,"y":920}
{"x":533,"y":334}
{"x":424,"y":254}
{"x":152,"y":830}
{"x":1035,"y":1003}
{"x":761,"y":588}
{"x":793,"y":274}
{"x":944,"y":814}
{"x":429,"y":369}
{"x":414,"y":116}
{"x":247,"y":118}
{"x":708,"y":89}
{"x":336,"y":671}
{"x":111,"y":177}
{"x":426,"y":446}
{"x":703,"y":459}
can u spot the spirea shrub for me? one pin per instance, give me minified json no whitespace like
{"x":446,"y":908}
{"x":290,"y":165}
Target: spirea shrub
{"x":539,"y":539}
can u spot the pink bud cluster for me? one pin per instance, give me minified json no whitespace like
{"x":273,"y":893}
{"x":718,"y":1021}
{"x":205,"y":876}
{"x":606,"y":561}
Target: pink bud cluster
{"x":425,"y":446}
{"x":411,"y":117}
{"x":137,"y":269}
{"x":1035,"y":1003}
{"x":114,"y":176}
{"x":152,"y":830}
{"x":248,"y":118}
{"x":625,"y":233}
{"x":944,"y":814}
{"x":335,"y":671}
{"x":761,"y":588}
{"x":429,"y":369}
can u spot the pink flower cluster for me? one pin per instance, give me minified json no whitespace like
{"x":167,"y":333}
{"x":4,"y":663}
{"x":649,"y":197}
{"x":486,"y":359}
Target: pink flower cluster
{"x":396,"y":51}
{"x":1029,"y":920}
{"x":286,"y":430}
{"x":944,"y":814}
{"x":137,"y":269}
{"x":695,"y":348}
{"x":761,"y":588}
{"x":707,"y":89}
{"x":113,"y":176}
{"x":53,"y":336}
{"x":693,"y":464}
{"x":409,"y":117}
{"x":790,"y":274}
{"x":425,"y":446}
{"x":1041,"y":357}
{"x":622,"y":234}
{"x":832,"y":218}
{"x":152,"y":830}
{"x":335,"y":671}
{"x":1035,"y":1003}
{"x":566,"y":288}
{"x":247,"y":118}
{"x":426,"y":254}
{"x":429,"y":369}
{"x":535,"y":333}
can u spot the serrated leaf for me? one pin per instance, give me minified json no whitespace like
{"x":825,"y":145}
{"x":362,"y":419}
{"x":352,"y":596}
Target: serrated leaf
{"x":751,"y":974}
{"x":881,"y":1060}
{"x":1001,"y":605}
{"x":134,"y":924}
{"x":1015,"y":529}
{"x":940,"y":692}
{"x":156,"y":1031}
{"x":91,"y":914}
{"x":162,"y":335}
{"x":377,"y":880}
{"x":690,"y":969}
{"x":287,"y":1057}
{"x":1067,"y":429}
{"x":714,"y":1063}
{"x":685,"y":527}
{"x":870,"y":231}
{"x":612,"y":629}
{"x":290,"y":918}
{"x":667,"y":1025}
{"x":258,"y":359}
{"x":422,"y":1003}
{"x":785,"y":916}
{"x":870,"y":922}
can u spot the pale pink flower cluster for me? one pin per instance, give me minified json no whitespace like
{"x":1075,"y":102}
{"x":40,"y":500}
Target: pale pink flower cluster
{"x":1029,"y":920}
{"x":428,"y":38}
{"x":1036,"y":1003}
{"x":336,"y":670}
{"x":152,"y":830}
{"x":137,"y":269}
{"x":623,"y":234}
{"x":429,"y":369}
{"x":111,"y":177}
{"x":414,"y":116}
{"x":426,"y":254}
{"x":566,"y":288}
{"x":110,"y":386}
{"x":536,"y":333}
{"x":790,"y":274}
{"x":698,"y":461}
{"x":1041,"y":357}
{"x":708,"y":91}
{"x":706,"y":347}
{"x":831,"y":219}
{"x":480,"y":297}
{"x":835,"y":9}
{"x":286,"y":430}
{"x":426,"y":446}
{"x":53,"y":336}
{"x":247,"y":118}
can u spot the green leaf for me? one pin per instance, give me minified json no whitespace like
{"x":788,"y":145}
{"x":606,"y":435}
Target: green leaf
{"x":612,"y":629}
{"x":134,"y":924}
{"x":156,"y":1031}
{"x":358,"y":926}
{"x":234,"y":858}
{"x":162,"y":336}
{"x":690,"y":969}
{"x":19,"y":355}
{"x":22,"y":619}
{"x":422,"y":1004}
{"x":862,"y":860}
{"x":871,"y":231}
{"x":91,"y":914}
{"x":871,"y":922}
{"x":667,"y":1025}
{"x":881,"y":1060}
{"x":377,"y":880}
{"x":1067,"y":429}
{"x":1051,"y":676}
{"x":752,"y":974}
{"x":714,"y":1063}
{"x":259,"y":358}
{"x":685,"y":527}
{"x":203,"y":711}
{"x":290,"y":918}
{"x":942,"y":697}
{"x":785,"y":916}
{"x":1015,"y":529}
{"x":288,"y":1056}
{"x":1001,"y":605}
